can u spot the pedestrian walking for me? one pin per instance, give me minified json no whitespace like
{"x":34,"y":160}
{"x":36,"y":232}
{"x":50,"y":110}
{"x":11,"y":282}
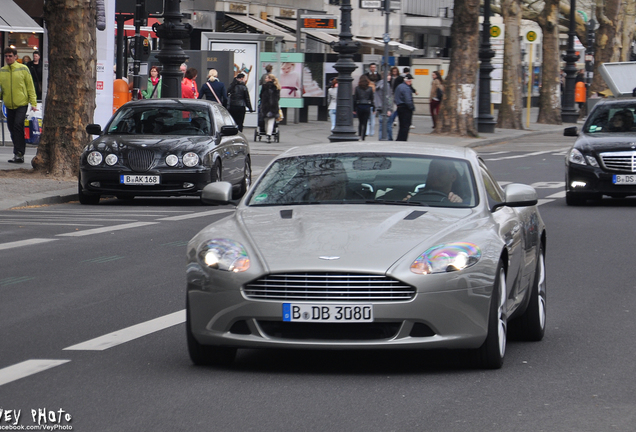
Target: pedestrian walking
{"x":35,"y":67}
{"x":362,"y":104}
{"x":270,"y":96}
{"x":239,"y":100}
{"x":153,"y":88}
{"x":213,"y":89}
{"x":17,"y":92}
{"x":332,"y":101}
{"x":189,"y":85}
{"x":268,"y":70}
{"x":373,"y":74}
{"x":405,"y":107}
{"x":437,"y":93}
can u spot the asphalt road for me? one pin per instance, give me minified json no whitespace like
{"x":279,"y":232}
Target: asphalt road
{"x":96,"y":303}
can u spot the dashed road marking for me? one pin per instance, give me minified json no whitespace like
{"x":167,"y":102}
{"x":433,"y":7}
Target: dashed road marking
{"x":26,"y":368}
{"x":106,"y":229}
{"x":196,"y":215}
{"x":28,"y":242}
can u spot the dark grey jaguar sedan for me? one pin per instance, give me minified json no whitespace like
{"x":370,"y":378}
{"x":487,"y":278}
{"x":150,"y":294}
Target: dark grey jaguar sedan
{"x":164,"y":147}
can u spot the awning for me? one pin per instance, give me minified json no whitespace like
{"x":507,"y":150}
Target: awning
{"x":14,"y":19}
{"x":290,"y":26}
{"x":261,"y":25}
{"x":393,"y":45}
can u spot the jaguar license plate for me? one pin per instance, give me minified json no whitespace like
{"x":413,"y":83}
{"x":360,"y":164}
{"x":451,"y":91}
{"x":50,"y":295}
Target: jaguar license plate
{"x":299,"y":312}
{"x":140,"y":179}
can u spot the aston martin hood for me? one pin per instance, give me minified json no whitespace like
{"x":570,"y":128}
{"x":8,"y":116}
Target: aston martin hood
{"x":333,"y":237}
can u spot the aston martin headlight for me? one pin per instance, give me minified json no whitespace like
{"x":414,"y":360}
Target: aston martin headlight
{"x":111,"y":159}
{"x":94,"y":158}
{"x":172,"y":160}
{"x":225,"y":254}
{"x":190,"y":159}
{"x":576,"y":157}
{"x":446,"y":258}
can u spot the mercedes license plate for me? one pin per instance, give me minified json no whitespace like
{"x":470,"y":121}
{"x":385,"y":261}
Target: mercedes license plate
{"x":624,"y":179}
{"x":140,"y":179}
{"x":298,"y":312}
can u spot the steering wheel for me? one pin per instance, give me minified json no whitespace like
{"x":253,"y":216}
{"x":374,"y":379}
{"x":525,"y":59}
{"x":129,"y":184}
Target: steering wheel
{"x":435,"y":194}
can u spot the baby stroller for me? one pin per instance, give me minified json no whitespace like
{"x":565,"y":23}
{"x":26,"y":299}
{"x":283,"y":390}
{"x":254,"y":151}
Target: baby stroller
{"x":260,"y":130}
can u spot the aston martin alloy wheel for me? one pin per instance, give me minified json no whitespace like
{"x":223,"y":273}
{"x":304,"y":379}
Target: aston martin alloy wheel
{"x":491,"y":354}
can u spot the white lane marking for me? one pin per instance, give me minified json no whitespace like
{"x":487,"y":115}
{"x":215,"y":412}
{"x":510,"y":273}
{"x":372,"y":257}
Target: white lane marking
{"x":196,"y":215}
{"x":520,"y":156}
{"x":106,"y":229}
{"x":544,"y":201}
{"x":21,"y":243}
{"x":548,"y":185}
{"x":26,"y":368}
{"x":126,"y":335}
{"x":557,"y":195}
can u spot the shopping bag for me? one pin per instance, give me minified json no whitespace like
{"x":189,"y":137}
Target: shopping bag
{"x":32,"y":130}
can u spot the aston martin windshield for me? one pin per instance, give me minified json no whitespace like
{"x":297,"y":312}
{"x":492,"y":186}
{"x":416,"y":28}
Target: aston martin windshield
{"x":182,"y":120}
{"x":367,"y":179}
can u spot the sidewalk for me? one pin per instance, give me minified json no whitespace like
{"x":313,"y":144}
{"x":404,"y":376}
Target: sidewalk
{"x":20,"y":192}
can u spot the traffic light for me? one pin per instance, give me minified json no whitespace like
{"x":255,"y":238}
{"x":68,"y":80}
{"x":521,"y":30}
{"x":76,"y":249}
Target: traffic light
{"x":591,"y":34}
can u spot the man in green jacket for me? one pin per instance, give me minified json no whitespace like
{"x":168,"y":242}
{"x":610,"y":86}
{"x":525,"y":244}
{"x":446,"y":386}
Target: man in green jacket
{"x":17,"y":92}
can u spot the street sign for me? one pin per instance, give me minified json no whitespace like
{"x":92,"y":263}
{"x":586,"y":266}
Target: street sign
{"x":371,"y":4}
{"x":386,"y":38}
{"x":396,"y":4}
{"x":496,"y":31}
{"x":532,"y":37}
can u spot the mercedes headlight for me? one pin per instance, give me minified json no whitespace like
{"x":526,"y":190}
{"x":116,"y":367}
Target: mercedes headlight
{"x":190,"y":159}
{"x":94,"y":158}
{"x":446,"y":258}
{"x":576,"y":157}
{"x":225,"y":254}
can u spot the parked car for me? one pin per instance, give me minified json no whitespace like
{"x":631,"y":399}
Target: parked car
{"x":164,"y":147}
{"x":365,"y":245}
{"x":602,"y":161}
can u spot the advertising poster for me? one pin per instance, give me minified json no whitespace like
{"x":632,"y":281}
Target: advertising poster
{"x":105,"y":63}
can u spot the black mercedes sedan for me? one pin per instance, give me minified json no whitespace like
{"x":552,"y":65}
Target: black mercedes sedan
{"x":603,"y":158}
{"x":164,"y":147}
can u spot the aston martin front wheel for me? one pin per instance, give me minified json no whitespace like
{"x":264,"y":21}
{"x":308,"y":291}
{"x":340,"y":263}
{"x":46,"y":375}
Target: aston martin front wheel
{"x":491,"y":354}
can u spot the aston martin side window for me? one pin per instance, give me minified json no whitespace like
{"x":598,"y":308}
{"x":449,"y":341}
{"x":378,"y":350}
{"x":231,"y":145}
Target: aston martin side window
{"x":494,"y":191}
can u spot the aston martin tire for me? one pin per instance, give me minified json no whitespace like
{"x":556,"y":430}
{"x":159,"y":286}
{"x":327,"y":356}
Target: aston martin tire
{"x":491,"y":354}
{"x":531,"y":325}
{"x":206,"y":355}
{"x":84,"y":198}
{"x":247,"y":178}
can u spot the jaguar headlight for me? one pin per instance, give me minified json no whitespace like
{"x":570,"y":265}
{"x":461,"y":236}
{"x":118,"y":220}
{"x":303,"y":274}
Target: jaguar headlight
{"x":225,"y":254}
{"x":94,"y":158}
{"x":446,"y":258}
{"x":172,"y":160}
{"x":111,"y":159}
{"x":190,"y":159}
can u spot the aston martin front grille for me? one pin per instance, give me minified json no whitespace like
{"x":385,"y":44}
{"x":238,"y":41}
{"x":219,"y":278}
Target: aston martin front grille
{"x":140,"y":160}
{"x":346,"y":287}
{"x":620,"y":161}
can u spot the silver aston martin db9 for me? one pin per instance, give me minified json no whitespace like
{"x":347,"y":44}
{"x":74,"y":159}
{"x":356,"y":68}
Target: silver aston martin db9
{"x":366,"y":246}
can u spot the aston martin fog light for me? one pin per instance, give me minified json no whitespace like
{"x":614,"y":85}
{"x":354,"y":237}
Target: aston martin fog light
{"x":447,"y":258}
{"x":111,"y":159}
{"x":190,"y":159}
{"x":172,"y":160}
{"x":578,"y":184}
{"x":225,"y":254}
{"x":94,"y":158}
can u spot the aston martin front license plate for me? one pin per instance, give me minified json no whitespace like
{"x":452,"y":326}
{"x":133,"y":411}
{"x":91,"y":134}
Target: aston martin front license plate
{"x":299,"y":312}
{"x":140,"y":179}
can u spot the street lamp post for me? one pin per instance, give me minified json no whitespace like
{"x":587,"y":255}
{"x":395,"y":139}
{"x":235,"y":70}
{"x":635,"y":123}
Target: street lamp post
{"x":569,"y":113}
{"x":171,"y":55}
{"x":485,"y":120}
{"x":345,"y":47}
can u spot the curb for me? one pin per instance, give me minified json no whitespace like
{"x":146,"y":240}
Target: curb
{"x":58,"y":197}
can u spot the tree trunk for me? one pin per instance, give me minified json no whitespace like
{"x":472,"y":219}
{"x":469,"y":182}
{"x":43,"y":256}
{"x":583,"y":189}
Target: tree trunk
{"x":456,"y":113}
{"x":607,"y":46}
{"x":627,"y":35}
{"x":70,"y":99}
{"x":511,"y":107}
{"x":550,"y":90}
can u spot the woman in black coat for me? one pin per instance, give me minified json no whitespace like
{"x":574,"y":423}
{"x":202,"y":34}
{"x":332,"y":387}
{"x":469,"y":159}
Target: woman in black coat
{"x":219,"y":94}
{"x":239,"y":99}
{"x":270,"y":95}
{"x":362,"y":104}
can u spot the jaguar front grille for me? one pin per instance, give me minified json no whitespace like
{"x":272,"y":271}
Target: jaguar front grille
{"x":140,"y":160}
{"x":342,"y":287}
